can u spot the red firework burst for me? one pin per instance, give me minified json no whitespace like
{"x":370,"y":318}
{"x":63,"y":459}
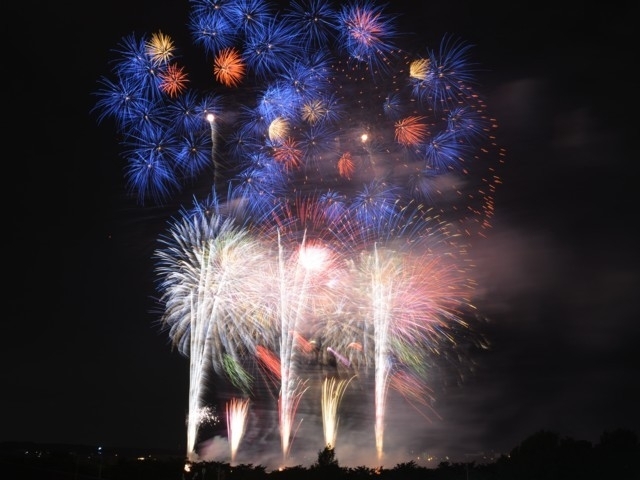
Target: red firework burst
{"x":173,"y":80}
{"x":411,"y":131}
{"x":346,"y":167}
{"x":288,"y":154}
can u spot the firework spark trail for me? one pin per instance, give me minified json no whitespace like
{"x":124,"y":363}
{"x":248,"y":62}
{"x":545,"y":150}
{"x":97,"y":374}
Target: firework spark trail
{"x":412,"y":293}
{"x":413,"y":389}
{"x":333,"y":390}
{"x":199,"y":352}
{"x":214,"y":159}
{"x":237,"y":411}
{"x":381,"y":294}
{"x":200,"y":267}
{"x":341,"y":358}
{"x":198,"y":363}
{"x":294,"y":284}
{"x":288,"y":384}
{"x":303,"y":273}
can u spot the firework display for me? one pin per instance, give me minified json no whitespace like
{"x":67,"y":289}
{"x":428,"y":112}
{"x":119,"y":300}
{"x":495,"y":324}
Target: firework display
{"x":346,"y":181}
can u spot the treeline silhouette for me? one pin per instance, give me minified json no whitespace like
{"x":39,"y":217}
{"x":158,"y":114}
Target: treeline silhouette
{"x":545,"y":455}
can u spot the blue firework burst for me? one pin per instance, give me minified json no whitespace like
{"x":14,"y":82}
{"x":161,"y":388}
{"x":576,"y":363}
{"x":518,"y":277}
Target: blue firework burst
{"x":253,"y":122}
{"x":334,"y":205}
{"x":134,"y":62}
{"x":317,"y":143}
{"x":316,"y":20}
{"x":251,"y":15}
{"x":212,"y":32}
{"x":423,"y":185}
{"x":149,"y":117}
{"x":209,"y":104}
{"x":150,"y":177}
{"x":412,"y":224}
{"x":449,"y":77}
{"x":158,"y":149}
{"x":367,"y":34}
{"x":445,"y":152}
{"x":319,"y":62}
{"x":271,"y":49}
{"x":470,"y":123}
{"x":375,"y":204}
{"x":278,"y":100}
{"x":221,"y":8}
{"x":240,"y":144}
{"x":260,"y":186}
{"x":394,"y":106}
{"x":304,"y":81}
{"x":183,"y":113}
{"x":193,"y":153}
{"x":120,"y":100}
{"x":334,"y":109}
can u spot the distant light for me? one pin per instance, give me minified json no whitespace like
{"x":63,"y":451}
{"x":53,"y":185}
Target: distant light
{"x":364,"y":137}
{"x":210,"y":117}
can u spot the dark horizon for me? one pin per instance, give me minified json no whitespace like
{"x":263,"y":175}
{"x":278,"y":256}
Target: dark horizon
{"x":622,"y":438}
{"x":542,"y":454}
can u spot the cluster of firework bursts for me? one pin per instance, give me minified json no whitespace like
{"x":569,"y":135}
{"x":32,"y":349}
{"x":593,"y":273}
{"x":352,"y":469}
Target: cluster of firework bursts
{"x":347,"y":180}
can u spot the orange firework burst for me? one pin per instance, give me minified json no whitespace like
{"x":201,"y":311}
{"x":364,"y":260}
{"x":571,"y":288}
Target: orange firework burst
{"x":288,"y":154}
{"x":411,"y":130}
{"x":346,"y":167}
{"x":160,"y":48}
{"x":228,"y":67}
{"x":419,"y":69}
{"x":173,"y":81}
{"x":313,"y":111}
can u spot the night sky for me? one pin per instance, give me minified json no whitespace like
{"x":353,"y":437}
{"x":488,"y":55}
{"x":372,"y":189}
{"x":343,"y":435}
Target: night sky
{"x":83,"y":360}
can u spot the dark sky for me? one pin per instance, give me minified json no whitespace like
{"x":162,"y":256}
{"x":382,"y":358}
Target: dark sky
{"x":83,"y":360}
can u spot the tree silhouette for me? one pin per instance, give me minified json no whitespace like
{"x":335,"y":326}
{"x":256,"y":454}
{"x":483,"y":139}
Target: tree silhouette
{"x":327,"y":465}
{"x":618,"y":454}
{"x":326,"y":458}
{"x":542,"y":456}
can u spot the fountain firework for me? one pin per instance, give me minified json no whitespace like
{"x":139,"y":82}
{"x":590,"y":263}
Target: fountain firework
{"x":237,"y":411}
{"x":332,"y":393}
{"x":356,"y":176}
